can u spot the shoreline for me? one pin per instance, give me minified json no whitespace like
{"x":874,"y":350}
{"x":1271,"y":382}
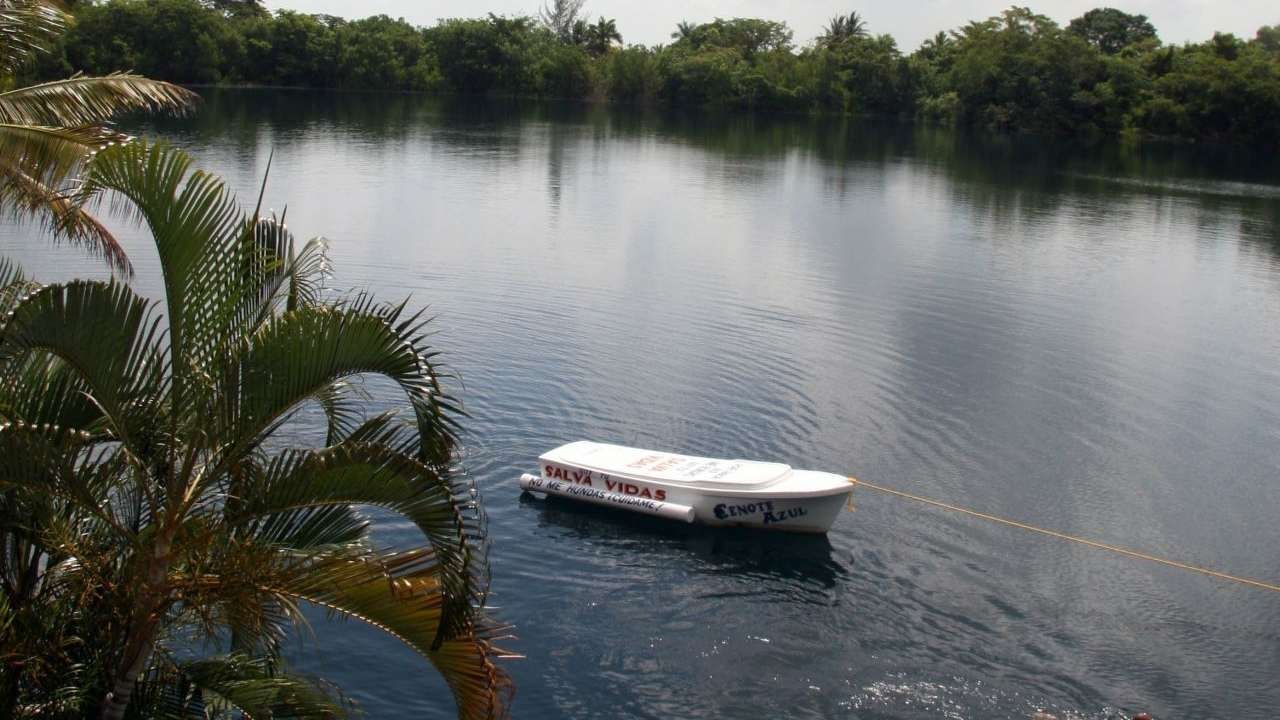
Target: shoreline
{"x":725,"y":111}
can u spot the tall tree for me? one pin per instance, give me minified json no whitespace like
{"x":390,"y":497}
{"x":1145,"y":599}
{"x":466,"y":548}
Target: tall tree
{"x":49,"y":130}
{"x":1268,"y":38}
{"x":1111,"y":30}
{"x":601,"y":35}
{"x":1021,"y":70}
{"x":559,"y":17}
{"x":842,"y":28}
{"x":239,"y":8}
{"x":151,"y":502}
{"x":748,"y":36}
{"x":1226,"y":45}
{"x":684,"y":31}
{"x":937,"y":46}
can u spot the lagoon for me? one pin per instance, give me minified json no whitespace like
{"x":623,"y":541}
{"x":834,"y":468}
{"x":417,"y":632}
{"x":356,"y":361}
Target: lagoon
{"x":1083,"y":338}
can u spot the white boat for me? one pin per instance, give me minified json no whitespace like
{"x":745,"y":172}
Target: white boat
{"x":715,"y":492}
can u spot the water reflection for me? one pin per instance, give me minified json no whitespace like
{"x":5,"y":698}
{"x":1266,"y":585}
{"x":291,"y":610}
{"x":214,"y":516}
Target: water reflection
{"x":775,"y":561}
{"x":1080,"y":337}
{"x":1010,"y":181}
{"x":560,"y":142}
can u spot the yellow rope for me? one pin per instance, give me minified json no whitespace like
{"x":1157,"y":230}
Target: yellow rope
{"x":1072,"y":538}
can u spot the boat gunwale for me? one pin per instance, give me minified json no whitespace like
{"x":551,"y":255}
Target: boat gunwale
{"x":761,"y":491}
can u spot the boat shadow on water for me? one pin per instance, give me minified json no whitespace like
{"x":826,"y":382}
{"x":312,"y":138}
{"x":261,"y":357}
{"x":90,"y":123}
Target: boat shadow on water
{"x":767,"y":554}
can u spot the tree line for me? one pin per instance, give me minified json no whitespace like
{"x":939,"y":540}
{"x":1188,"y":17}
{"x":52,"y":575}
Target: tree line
{"x":1105,"y":73}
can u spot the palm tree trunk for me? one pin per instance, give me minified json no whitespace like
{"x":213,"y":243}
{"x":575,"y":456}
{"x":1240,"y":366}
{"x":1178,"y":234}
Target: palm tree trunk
{"x":117,"y":701}
{"x":142,"y":635}
{"x":9,"y":700}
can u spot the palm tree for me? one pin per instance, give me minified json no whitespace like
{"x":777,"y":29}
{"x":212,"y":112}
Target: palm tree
{"x":151,"y":502}
{"x":843,"y":27}
{"x":684,"y":31}
{"x":580,"y":33}
{"x":936,"y":47}
{"x":601,"y":36}
{"x":47,"y":131}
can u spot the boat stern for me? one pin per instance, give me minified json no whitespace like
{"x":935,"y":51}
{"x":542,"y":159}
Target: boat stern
{"x":806,"y":501}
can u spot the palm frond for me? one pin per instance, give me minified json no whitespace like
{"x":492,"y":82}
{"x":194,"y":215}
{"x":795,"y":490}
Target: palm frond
{"x":309,"y":529}
{"x":282,"y":276}
{"x":38,"y":456}
{"x":231,"y":686}
{"x":27,"y":27}
{"x":10,"y":273}
{"x":397,"y":593}
{"x":265,"y":270}
{"x":299,"y":355}
{"x":14,"y":285}
{"x":341,"y":402}
{"x":84,"y":100}
{"x":163,"y":693}
{"x":42,"y":462}
{"x":44,"y":390}
{"x":307,"y":274}
{"x":251,"y":686}
{"x":375,"y":475}
{"x":107,"y":335}
{"x":53,"y":152}
{"x":400,"y":594}
{"x":198,"y":232}
{"x":25,"y":197}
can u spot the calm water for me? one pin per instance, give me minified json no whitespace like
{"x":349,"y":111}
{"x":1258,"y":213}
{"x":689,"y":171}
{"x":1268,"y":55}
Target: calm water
{"x":1081,"y":339}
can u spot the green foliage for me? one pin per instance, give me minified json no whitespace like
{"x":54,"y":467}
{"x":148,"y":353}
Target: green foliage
{"x":1105,"y":73}
{"x":178,"y":40}
{"x":745,"y":36}
{"x":1268,"y":39}
{"x":600,"y":37}
{"x":562,"y":71}
{"x":379,"y":52}
{"x":49,"y":130}
{"x":744,"y":63}
{"x":843,"y":28}
{"x":1111,"y":30}
{"x":1220,"y":89}
{"x":150,"y":511}
{"x":1020,"y":70}
{"x":478,"y":56}
{"x":863,"y":74}
{"x":632,"y":75}
{"x":294,"y":49}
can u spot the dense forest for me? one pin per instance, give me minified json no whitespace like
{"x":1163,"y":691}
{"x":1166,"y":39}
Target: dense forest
{"x":1105,"y":73}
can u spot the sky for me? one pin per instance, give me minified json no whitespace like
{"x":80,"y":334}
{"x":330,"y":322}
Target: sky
{"x":909,"y":21}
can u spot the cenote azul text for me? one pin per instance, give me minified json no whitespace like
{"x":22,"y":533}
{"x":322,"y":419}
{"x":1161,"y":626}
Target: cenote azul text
{"x":724,"y":511}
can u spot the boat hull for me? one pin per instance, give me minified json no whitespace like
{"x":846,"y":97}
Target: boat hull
{"x":807,"y":515}
{"x":805,"y":501}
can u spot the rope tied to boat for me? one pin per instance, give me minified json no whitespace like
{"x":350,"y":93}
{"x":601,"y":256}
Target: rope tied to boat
{"x":1061,"y":536}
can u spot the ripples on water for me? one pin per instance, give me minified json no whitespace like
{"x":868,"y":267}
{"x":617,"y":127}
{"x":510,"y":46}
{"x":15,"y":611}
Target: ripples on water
{"x":1081,"y":339}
